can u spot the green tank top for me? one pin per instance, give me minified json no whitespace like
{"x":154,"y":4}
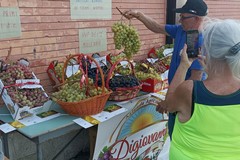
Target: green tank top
{"x":213,"y":131}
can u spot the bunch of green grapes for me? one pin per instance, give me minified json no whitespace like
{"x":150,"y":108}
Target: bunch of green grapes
{"x":143,"y":75}
{"x":160,"y":50}
{"x":115,"y":58}
{"x":58,"y":69}
{"x":126,"y":37}
{"x":73,"y":92}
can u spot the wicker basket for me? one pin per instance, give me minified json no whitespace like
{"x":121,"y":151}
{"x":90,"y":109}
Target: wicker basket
{"x":122,"y":93}
{"x":90,"y":106}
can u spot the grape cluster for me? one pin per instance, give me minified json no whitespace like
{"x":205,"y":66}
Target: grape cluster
{"x":159,"y":66}
{"x":123,"y":81}
{"x":15,"y":72}
{"x":27,"y":97}
{"x":126,"y":37}
{"x":143,"y":76}
{"x":74,"y":92}
{"x":115,"y":58}
{"x":58,"y":70}
{"x":94,"y":73}
{"x":159,"y":51}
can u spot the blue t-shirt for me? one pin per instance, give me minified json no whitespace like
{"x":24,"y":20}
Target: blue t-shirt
{"x":179,"y":35}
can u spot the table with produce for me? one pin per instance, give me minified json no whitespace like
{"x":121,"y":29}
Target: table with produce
{"x":92,"y":87}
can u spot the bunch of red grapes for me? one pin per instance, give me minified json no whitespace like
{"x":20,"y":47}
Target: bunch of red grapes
{"x":32,"y":97}
{"x":14,"y":72}
{"x":28,"y":97}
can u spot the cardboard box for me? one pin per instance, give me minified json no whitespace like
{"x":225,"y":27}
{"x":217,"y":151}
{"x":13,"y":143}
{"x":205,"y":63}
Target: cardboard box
{"x":18,"y":112}
{"x":151,"y":85}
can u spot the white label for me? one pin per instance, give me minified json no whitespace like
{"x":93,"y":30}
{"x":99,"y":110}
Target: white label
{"x":100,"y":60}
{"x":71,"y":70}
{"x":6,"y":128}
{"x":83,"y":123}
{"x":152,"y":60}
{"x":167,"y":51}
{"x":124,"y":64}
{"x":28,"y":83}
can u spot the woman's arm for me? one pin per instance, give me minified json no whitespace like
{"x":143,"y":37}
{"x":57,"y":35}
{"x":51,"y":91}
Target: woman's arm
{"x":179,"y":92}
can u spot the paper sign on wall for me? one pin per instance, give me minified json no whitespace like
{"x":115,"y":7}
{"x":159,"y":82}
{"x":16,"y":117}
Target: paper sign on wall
{"x":91,"y":9}
{"x":10,"y":25}
{"x":92,"y":40}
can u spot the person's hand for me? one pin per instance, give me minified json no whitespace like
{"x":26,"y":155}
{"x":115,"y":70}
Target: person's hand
{"x":184,"y":57}
{"x":129,"y":14}
{"x":161,"y":107}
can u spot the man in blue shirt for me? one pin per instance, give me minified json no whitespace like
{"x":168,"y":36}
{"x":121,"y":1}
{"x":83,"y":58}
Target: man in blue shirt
{"x":191,"y":17}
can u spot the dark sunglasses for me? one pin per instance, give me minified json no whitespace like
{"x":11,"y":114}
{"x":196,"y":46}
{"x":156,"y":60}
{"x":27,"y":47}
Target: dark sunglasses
{"x":183,"y":18}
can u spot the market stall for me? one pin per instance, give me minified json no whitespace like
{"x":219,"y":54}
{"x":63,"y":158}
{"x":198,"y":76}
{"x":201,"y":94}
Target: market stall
{"x":87,"y":89}
{"x":41,"y":132}
{"x":81,"y":87}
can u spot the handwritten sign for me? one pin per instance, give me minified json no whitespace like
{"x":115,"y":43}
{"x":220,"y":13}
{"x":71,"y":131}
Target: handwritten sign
{"x":10,"y":25}
{"x":91,"y":9}
{"x":92,"y":40}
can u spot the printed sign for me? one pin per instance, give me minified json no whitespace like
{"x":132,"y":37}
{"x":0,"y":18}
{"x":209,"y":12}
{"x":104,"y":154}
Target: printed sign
{"x":137,"y":134}
{"x":91,"y":9}
{"x":92,"y":40}
{"x":109,"y":112}
{"x":10,"y":25}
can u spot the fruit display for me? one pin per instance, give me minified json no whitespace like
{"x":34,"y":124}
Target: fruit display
{"x":58,"y":70}
{"x":31,"y":97}
{"x":149,"y":76}
{"x":84,"y":96}
{"x":144,"y":71}
{"x":160,"y":50}
{"x":74,"y":92}
{"x":163,"y":54}
{"x":123,"y":69}
{"x":158,"y":66}
{"x":126,"y":37}
{"x":21,"y":91}
{"x":166,"y":60}
{"x":93,"y":72}
{"x":114,"y":58}
{"x":28,"y":97}
{"x":55,"y":71}
{"x":124,"y":85}
{"x":123,"y":81}
{"x":14,"y":72}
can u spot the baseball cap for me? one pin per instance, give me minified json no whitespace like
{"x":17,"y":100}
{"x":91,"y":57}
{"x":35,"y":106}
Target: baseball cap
{"x":197,"y":7}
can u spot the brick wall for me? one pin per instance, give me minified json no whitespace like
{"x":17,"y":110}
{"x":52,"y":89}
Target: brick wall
{"x":48,"y":29}
{"x":224,"y":9}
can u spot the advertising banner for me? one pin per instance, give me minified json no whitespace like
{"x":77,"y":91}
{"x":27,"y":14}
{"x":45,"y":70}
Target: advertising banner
{"x":137,"y":134}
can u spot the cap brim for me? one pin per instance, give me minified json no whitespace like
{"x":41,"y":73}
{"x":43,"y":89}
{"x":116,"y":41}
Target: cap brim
{"x":179,"y":10}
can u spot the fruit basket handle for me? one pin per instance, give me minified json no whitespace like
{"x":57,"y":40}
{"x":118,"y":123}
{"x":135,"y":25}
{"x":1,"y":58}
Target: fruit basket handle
{"x":80,"y":56}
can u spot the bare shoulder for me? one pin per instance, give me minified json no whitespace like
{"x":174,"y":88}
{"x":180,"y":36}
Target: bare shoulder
{"x":181,"y":99}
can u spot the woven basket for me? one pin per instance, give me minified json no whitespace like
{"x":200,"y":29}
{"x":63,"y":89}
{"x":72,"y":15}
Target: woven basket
{"x":122,"y":93}
{"x":90,"y":106}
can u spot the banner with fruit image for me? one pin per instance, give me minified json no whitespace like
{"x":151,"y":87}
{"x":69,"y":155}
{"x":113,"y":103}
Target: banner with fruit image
{"x":139,"y":133}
